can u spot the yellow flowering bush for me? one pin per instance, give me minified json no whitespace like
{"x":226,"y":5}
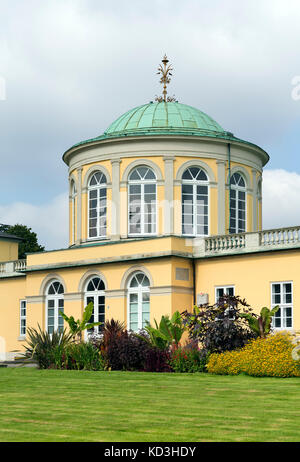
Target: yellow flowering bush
{"x":262,"y":357}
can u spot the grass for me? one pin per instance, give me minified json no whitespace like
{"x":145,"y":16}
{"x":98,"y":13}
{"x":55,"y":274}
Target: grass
{"x":52,"y":405}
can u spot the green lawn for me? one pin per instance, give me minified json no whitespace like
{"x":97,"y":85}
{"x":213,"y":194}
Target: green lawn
{"x":50,"y":405}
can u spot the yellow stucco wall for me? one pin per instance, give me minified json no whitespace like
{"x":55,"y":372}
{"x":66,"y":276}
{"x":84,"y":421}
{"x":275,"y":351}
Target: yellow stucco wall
{"x":8,"y":250}
{"x":108,"y":250}
{"x":167,"y":293}
{"x":159,"y":161}
{"x":12,"y":290}
{"x":251,"y":275}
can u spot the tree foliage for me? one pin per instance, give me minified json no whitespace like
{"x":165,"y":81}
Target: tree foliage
{"x":29,"y":243}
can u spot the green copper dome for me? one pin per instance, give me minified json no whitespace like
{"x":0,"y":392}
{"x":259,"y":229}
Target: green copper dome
{"x":162,"y":117}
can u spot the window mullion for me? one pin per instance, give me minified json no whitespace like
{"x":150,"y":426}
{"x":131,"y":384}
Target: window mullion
{"x":96,"y":307}
{"x":55,"y":314}
{"x":195,"y":221}
{"x":142,"y":208}
{"x":98,"y":212}
{"x":140,"y":308}
{"x":237,"y":210}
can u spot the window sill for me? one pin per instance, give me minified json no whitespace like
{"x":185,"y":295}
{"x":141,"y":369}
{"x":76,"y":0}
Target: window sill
{"x":21,"y":338}
{"x":278,"y":329}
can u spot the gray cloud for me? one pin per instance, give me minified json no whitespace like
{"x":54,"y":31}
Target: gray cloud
{"x":73,"y":66}
{"x":281,"y":198}
{"x":48,"y":220}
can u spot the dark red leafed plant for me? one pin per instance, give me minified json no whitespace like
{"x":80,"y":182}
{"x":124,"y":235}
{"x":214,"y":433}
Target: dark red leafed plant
{"x":219,"y":327}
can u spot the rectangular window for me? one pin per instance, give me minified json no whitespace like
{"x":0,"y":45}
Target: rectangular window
{"x":97,"y":212}
{"x":224,"y":290}
{"x":282,"y":295}
{"x":142,"y":208}
{"x":194,"y":210}
{"x":22,"y":318}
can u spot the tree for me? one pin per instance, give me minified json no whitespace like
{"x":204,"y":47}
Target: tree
{"x":29,"y":243}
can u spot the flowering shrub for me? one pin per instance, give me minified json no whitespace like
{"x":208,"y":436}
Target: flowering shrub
{"x":188,"y":360}
{"x":262,"y":357}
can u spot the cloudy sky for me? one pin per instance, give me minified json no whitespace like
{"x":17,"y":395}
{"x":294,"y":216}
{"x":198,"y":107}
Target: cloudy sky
{"x":68,"y":68}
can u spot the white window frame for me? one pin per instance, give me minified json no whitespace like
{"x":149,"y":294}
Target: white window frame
{"x":142,"y":183}
{"x":196,"y":183}
{"x":23,"y":317}
{"x":96,"y":188}
{"x":282,"y":306}
{"x":225,"y":288}
{"x":55,"y":298}
{"x":140,"y":290}
{"x":238,"y":189}
{"x":94,"y":294}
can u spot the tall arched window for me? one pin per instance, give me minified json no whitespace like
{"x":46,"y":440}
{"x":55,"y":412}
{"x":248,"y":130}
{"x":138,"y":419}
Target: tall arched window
{"x":237,"y":204}
{"x":55,"y":304}
{"x":194,"y":202}
{"x":95,"y":293}
{"x":142,"y":201}
{"x":97,"y":206}
{"x":138,"y":301}
{"x":73,"y":205}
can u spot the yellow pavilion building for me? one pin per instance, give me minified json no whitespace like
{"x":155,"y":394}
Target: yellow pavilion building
{"x":165,"y":211}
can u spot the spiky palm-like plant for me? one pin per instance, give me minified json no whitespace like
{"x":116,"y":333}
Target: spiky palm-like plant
{"x":77,"y":327}
{"x":261,"y":325}
{"x":41,"y":345}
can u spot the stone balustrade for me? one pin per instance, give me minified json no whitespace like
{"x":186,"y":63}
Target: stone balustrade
{"x":228,"y":244}
{"x":281,"y":236}
{"x":12,"y":268}
{"x":261,"y":241}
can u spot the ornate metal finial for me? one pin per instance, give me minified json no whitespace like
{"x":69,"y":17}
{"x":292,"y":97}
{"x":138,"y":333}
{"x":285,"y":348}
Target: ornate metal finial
{"x":165,"y":72}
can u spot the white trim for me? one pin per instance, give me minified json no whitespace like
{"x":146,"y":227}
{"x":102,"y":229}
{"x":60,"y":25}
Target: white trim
{"x":229,"y":286}
{"x":141,"y":162}
{"x":195,"y":163}
{"x":139,"y":291}
{"x":22,"y":317}
{"x":196,"y":183}
{"x":142,"y":183}
{"x":94,"y":294}
{"x":243,"y":172}
{"x":238,"y":189}
{"x":129,"y":273}
{"x":87,"y":276}
{"x":56,"y":307}
{"x":47,"y":281}
{"x":282,"y":306}
{"x":96,"y":188}
{"x":90,"y":172}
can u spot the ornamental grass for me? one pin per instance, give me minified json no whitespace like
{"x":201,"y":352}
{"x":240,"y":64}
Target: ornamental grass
{"x":262,"y":357}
